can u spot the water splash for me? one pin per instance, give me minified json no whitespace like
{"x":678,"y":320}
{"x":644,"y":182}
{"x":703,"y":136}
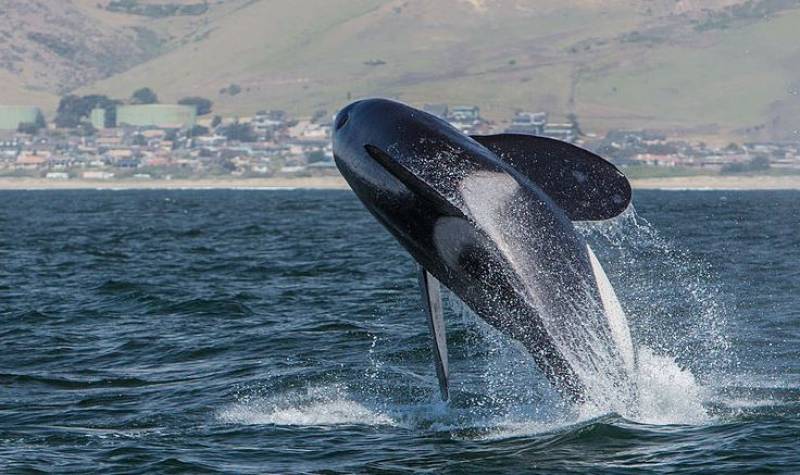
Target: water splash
{"x":672,"y":297}
{"x":314,"y":406}
{"x":670,"y":305}
{"x":668,"y":394}
{"x":676,"y":315}
{"x":677,"y":325}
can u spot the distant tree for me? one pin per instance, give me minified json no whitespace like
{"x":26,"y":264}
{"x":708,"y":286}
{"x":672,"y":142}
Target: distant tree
{"x":759,"y":163}
{"x":72,"y":110}
{"x":316,"y":156}
{"x":240,"y":132}
{"x":197,"y":131}
{"x":144,"y":95}
{"x":29,"y":128}
{"x":40,"y":123}
{"x":111,"y":112}
{"x":216,"y":121}
{"x":32,"y":128}
{"x":733,"y":148}
{"x":202,"y":104}
{"x":227,"y":165}
{"x":233,"y":89}
{"x":139,"y":140}
{"x":85,"y":129}
{"x":573,"y":119}
{"x":171,"y":135}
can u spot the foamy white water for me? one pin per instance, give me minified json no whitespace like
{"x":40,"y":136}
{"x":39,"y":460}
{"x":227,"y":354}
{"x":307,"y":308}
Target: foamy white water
{"x":668,"y":394}
{"x":314,"y":407}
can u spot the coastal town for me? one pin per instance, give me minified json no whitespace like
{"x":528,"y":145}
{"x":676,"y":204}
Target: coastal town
{"x":95,"y":138}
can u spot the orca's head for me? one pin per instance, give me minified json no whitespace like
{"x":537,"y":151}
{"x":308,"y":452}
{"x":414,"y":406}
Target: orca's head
{"x":362,"y":134}
{"x":393,"y":155}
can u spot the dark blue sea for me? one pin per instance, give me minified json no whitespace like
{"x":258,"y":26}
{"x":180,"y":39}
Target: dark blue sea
{"x":281,"y":331}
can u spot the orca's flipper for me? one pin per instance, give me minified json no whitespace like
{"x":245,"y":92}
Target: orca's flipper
{"x":407,"y":177}
{"x":584,"y":185}
{"x":432,"y":301}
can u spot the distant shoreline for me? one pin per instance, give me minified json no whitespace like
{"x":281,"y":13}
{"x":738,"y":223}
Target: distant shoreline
{"x":337,"y":183}
{"x":322,"y":183}
{"x":729,"y":182}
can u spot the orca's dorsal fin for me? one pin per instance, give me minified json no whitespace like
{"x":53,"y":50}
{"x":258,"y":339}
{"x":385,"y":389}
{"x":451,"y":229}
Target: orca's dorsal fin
{"x":432,"y":301}
{"x":584,"y":185}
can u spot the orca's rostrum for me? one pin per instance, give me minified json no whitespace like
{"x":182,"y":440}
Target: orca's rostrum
{"x":491,"y":218}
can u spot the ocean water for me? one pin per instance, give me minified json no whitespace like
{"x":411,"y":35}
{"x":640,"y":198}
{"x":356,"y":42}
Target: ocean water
{"x":219,"y":331}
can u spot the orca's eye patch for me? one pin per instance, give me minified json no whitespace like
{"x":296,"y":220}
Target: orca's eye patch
{"x":341,"y":119}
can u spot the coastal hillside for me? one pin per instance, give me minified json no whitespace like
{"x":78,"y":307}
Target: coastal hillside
{"x":716,"y":68}
{"x":49,"y":48}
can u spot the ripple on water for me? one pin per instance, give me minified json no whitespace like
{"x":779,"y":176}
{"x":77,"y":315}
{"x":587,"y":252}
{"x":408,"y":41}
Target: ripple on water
{"x":281,"y":332}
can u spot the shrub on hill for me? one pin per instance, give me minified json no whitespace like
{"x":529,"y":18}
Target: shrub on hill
{"x":157,"y":10}
{"x":202,"y":104}
{"x":232,"y":90}
{"x":144,"y":95}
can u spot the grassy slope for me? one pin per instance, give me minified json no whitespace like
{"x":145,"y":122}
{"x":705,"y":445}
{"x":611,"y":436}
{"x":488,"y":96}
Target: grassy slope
{"x":729,"y":83}
{"x":442,"y":51}
{"x":268,"y":48}
{"x":16,"y":92}
{"x":508,"y":55}
{"x":99,"y":43}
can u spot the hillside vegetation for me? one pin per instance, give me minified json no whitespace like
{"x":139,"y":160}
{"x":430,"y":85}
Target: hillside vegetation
{"x":709,"y":67}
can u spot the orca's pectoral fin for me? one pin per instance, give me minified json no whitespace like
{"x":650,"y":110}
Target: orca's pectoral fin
{"x":432,"y":301}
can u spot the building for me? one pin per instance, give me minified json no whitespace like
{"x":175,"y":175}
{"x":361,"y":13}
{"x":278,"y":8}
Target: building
{"x":465,"y":114}
{"x":657,"y":160}
{"x":97,"y":175}
{"x":465,"y":118}
{"x":627,"y":138}
{"x":563,"y":131}
{"x":98,"y":118}
{"x":266,"y":123}
{"x":12,"y":116}
{"x":32,"y":160}
{"x":529,"y":123}
{"x":165,"y":116}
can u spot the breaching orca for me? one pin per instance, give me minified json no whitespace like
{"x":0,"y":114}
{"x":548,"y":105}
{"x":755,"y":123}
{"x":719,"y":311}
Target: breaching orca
{"x":491,"y":218}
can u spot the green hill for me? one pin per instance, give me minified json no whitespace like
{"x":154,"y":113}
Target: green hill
{"x":718,"y":68}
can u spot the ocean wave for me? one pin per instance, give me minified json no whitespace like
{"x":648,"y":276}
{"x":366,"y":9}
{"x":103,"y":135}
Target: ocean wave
{"x":204,"y":306}
{"x":60,"y":382}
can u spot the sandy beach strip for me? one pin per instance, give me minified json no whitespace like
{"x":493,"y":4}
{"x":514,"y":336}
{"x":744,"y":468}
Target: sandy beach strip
{"x":789,"y":182}
{"x":322,"y":183}
{"x":786,"y":182}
